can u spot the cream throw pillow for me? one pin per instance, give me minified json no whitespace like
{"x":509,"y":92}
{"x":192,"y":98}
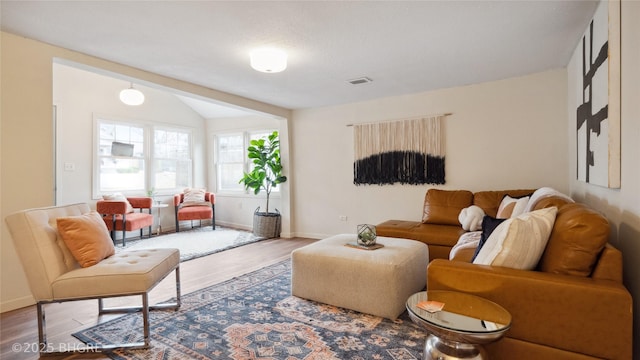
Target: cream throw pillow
{"x":519,"y":242}
{"x":86,"y":237}
{"x":512,"y":207}
{"x":194,"y":197}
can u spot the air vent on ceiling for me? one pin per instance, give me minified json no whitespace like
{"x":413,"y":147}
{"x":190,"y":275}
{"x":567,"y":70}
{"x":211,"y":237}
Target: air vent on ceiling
{"x":358,"y":81}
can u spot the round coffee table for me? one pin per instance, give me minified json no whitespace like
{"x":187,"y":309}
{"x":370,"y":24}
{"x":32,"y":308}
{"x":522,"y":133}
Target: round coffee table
{"x":461,"y":327}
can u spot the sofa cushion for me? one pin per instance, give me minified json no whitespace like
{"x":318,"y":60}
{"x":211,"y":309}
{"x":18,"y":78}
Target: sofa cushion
{"x":489,"y":201}
{"x":442,"y":207}
{"x":518,"y":242}
{"x":427,"y":233}
{"x":578,"y":236}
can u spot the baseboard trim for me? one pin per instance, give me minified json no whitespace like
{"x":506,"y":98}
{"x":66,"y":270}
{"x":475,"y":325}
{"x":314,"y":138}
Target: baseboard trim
{"x":311,"y":235}
{"x":18,"y":303}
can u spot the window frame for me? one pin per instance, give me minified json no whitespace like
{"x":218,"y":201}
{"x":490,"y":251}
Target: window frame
{"x":247,"y":136}
{"x":149,"y":129}
{"x":152,"y":172}
{"x":218,"y":164}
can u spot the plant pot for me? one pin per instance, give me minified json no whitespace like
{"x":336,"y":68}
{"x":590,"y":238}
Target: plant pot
{"x":366,"y":234}
{"x":266,"y":224}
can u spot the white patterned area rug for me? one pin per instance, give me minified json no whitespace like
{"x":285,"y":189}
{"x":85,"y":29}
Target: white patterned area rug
{"x":194,"y":243}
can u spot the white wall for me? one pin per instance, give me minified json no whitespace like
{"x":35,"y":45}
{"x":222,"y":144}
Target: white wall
{"x":620,"y":206}
{"x":236,"y":209}
{"x":80,"y":95}
{"x":26,"y":176}
{"x":502,"y":135}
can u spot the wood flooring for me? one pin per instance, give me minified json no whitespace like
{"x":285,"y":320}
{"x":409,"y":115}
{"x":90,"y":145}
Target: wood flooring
{"x":19,"y":329}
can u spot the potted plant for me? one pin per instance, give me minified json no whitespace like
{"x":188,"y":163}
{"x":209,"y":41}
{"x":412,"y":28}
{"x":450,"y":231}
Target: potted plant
{"x":265,"y":175}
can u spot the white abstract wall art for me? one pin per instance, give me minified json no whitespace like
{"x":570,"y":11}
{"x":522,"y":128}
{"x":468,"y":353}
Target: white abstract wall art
{"x":598,"y":112}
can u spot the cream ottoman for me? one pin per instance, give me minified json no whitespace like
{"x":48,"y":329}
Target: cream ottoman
{"x":376,"y":282}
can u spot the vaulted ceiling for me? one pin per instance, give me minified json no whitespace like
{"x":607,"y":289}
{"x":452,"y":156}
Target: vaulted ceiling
{"x":402,"y":46}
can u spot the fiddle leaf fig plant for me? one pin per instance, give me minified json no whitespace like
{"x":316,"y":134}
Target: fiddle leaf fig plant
{"x":267,"y":169}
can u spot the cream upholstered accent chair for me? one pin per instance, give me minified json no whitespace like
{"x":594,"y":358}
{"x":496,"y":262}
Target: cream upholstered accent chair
{"x":55,"y":273}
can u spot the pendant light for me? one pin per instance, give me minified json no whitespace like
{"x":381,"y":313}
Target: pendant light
{"x":131,"y":96}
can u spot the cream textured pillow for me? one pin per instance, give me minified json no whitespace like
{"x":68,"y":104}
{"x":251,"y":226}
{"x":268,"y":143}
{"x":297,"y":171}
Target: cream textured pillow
{"x":519,"y":242}
{"x":512,"y":207}
{"x":194,"y":197}
{"x":119,"y":197}
{"x":86,"y":237}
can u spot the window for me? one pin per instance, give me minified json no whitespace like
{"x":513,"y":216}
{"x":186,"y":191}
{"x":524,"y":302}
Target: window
{"x":171,"y":159}
{"x":232,"y":160}
{"x":127,"y":163}
{"x":121,"y":157}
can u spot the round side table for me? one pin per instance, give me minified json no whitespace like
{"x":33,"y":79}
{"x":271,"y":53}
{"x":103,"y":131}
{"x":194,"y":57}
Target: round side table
{"x":459,"y":329}
{"x":159,"y":206}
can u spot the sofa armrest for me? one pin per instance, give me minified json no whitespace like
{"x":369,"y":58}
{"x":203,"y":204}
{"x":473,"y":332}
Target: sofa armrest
{"x":609,"y":265}
{"x":566,"y":312}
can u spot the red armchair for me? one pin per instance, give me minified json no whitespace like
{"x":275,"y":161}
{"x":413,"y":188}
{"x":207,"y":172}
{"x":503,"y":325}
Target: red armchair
{"x":118,"y":216}
{"x":201,"y":210}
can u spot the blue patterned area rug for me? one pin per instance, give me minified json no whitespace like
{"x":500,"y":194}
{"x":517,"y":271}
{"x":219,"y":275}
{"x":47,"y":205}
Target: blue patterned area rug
{"x":254,"y":316}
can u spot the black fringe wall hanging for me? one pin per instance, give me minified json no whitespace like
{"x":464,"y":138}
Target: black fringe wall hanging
{"x":403,"y":151}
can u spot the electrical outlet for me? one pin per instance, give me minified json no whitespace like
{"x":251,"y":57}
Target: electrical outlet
{"x":342,"y":217}
{"x":69,"y":166}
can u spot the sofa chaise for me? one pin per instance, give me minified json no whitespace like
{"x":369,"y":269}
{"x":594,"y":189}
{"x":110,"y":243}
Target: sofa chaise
{"x":571,"y":305}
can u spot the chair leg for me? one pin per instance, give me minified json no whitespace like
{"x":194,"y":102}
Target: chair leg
{"x":145,"y":320}
{"x":177,"y":221}
{"x":42,"y":325}
{"x":175,"y":305}
{"x":113,"y":229}
{"x":46,"y":350}
{"x":124,"y":230}
{"x":213,"y":216}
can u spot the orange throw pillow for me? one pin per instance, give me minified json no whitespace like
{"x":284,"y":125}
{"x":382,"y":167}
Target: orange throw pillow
{"x":87,"y":238}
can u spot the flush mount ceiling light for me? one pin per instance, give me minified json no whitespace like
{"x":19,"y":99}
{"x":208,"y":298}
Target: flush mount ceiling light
{"x":268,"y":60}
{"x":131,"y":96}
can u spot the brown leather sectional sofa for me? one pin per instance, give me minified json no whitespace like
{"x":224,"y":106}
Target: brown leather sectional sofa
{"x":572,"y":306}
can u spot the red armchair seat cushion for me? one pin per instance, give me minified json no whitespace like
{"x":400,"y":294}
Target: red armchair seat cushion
{"x":195,"y":213}
{"x":134,"y":221}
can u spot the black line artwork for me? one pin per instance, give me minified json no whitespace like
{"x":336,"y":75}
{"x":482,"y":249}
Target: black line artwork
{"x":585,"y":112}
{"x":402,"y":151}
